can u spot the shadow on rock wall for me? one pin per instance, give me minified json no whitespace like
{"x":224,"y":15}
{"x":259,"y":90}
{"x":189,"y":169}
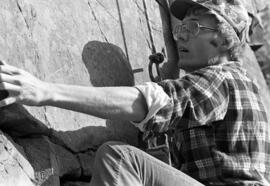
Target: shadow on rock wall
{"x":47,"y":149}
{"x":107,"y":65}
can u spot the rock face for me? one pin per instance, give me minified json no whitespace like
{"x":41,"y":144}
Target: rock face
{"x":82,"y":42}
{"x":261,"y":9}
{"x":259,"y":69}
{"x":263,"y":53}
{"x":14,"y":167}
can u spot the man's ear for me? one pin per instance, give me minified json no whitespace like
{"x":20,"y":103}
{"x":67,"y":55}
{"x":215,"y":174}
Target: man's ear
{"x":224,"y":44}
{"x":218,"y":42}
{"x":227,"y":43}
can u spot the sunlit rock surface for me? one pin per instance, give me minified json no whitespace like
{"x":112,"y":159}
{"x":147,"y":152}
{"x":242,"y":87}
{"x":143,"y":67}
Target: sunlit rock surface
{"x":263,"y":53}
{"x":90,"y":43}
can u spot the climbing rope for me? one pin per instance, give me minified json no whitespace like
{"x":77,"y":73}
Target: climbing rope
{"x":154,"y":58}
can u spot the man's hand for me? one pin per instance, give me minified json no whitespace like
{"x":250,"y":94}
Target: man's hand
{"x":22,"y":87}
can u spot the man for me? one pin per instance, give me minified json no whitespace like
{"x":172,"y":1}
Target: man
{"x":218,"y":122}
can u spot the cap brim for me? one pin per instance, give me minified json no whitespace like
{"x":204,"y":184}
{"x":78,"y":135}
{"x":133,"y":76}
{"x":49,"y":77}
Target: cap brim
{"x":179,"y":8}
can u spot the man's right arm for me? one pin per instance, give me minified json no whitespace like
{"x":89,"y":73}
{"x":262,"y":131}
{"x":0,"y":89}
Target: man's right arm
{"x":123,"y":103}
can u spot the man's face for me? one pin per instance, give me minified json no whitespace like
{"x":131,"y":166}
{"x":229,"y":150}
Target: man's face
{"x":196,"y":50}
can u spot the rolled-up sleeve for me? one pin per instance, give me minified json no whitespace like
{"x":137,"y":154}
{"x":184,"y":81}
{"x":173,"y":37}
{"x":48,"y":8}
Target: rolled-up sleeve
{"x":155,"y":98}
{"x":196,"y":99}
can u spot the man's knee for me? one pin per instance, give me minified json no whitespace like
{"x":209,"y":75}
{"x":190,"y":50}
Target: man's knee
{"x":108,"y":150}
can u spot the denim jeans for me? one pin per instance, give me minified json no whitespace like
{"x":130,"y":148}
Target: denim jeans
{"x":117,"y":163}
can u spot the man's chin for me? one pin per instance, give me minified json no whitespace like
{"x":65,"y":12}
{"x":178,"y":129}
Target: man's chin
{"x":189,"y":68}
{"x":186,"y":68}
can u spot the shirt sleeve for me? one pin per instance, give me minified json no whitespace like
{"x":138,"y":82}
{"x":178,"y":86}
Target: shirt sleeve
{"x":197,"y":99}
{"x":155,"y":98}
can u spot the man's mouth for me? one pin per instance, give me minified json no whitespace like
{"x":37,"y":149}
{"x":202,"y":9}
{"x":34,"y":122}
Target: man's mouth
{"x":182,"y":49}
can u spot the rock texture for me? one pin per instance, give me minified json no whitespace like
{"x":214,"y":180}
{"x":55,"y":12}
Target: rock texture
{"x":263,"y":53}
{"x":83,"y":42}
{"x":260,"y":70}
{"x":14,"y":167}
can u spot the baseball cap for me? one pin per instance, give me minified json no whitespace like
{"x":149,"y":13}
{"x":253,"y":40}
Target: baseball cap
{"x":232,"y":12}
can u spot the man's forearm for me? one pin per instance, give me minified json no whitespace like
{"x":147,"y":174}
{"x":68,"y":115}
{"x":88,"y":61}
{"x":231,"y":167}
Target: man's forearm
{"x":123,"y":103}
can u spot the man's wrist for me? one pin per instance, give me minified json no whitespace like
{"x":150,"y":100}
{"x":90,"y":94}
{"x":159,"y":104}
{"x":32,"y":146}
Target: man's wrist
{"x":49,"y":94}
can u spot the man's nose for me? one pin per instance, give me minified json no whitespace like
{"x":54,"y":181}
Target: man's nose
{"x":184,"y":36}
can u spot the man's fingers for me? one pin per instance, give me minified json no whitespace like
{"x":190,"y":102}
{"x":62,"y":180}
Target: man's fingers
{"x":8,"y":101}
{"x":12,"y":90}
{"x":9,"y":87}
{"x":8,"y":79}
{"x":7,"y":69}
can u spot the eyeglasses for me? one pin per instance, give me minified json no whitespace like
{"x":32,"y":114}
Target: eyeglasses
{"x":192,"y":27}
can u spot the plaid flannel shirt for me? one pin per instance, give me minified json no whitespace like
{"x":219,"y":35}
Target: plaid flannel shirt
{"x":219,"y":124}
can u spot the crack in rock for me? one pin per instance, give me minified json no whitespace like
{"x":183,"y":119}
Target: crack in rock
{"x":22,"y":13}
{"x":96,"y":19}
{"x":117,"y":20}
